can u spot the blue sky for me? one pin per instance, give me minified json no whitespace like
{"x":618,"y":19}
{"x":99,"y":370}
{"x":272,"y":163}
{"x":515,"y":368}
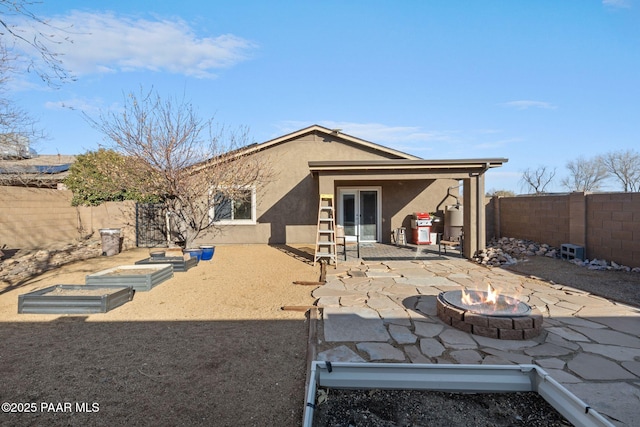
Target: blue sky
{"x":538,"y":82}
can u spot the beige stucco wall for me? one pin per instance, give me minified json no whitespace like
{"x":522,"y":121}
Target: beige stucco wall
{"x":35,"y":217}
{"x":287,"y":207}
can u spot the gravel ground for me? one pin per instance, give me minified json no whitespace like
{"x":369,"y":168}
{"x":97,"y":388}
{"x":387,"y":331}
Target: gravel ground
{"x":620,"y":286}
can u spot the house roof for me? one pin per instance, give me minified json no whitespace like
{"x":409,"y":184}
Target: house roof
{"x":401,"y":162}
{"x":328,"y":132}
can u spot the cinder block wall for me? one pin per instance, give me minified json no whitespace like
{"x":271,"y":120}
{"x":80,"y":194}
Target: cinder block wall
{"x":606,"y":224}
{"x":32,"y":218}
{"x":613,"y":227}
{"x":541,"y":219}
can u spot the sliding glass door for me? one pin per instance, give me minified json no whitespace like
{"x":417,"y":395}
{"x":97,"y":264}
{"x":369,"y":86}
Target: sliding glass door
{"x":359,"y":213}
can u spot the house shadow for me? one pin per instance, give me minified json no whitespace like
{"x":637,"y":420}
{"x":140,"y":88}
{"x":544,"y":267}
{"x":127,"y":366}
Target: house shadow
{"x":304,"y":253}
{"x":155,"y":372}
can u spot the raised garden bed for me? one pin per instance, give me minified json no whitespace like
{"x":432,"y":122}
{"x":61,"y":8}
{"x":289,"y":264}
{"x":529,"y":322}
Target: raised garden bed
{"x":179,"y":263}
{"x":74,"y":299}
{"x":463,"y":379}
{"x":139,"y":277}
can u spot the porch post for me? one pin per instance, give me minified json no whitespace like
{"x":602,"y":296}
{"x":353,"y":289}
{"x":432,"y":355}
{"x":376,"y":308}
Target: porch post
{"x":481,"y":239}
{"x":470,"y":216}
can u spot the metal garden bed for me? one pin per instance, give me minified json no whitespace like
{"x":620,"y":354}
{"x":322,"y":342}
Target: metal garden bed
{"x":74,"y":299}
{"x":179,"y":263}
{"x":450,"y":378}
{"x":139,"y":277}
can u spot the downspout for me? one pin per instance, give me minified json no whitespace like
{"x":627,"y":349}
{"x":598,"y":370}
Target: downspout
{"x":450,"y":195}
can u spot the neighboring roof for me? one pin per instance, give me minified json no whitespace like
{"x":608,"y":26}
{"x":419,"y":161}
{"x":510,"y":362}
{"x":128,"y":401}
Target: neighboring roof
{"x":469,"y":165}
{"x":43,"y":170}
{"x":328,"y":132}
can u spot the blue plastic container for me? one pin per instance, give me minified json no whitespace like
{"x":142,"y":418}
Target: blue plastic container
{"x":207,"y":252}
{"x":193,"y":253}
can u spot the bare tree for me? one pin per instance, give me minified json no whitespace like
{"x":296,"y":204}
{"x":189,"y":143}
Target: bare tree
{"x":21,"y":28}
{"x":624,"y":166}
{"x":17,"y":127}
{"x":537,"y":180}
{"x":499,"y":193}
{"x":27,"y":42}
{"x":585,"y":175}
{"x":201,"y":176}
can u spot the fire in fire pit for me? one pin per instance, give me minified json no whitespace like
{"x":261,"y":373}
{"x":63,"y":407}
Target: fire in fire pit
{"x":490,"y":303}
{"x":489,"y":314}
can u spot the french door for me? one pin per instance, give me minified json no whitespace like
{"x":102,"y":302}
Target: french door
{"x":359,"y":212}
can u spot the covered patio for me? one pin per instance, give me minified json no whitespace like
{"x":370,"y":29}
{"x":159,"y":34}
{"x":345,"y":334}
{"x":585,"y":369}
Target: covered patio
{"x":334,"y":175}
{"x":373,"y":252}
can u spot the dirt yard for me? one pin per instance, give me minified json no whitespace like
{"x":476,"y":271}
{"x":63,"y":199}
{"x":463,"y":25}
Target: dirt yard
{"x":209,"y":347}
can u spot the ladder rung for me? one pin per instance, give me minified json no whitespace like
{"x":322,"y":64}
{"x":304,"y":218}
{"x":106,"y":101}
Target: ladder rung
{"x":326,"y":243}
{"x":326,"y":231}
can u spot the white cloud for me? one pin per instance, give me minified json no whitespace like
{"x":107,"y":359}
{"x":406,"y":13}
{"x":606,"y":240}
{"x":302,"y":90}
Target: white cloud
{"x":617,"y":3}
{"x":108,"y":43}
{"x":525,"y":104}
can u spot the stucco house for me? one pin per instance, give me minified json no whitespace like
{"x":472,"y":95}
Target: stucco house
{"x":381,"y":186}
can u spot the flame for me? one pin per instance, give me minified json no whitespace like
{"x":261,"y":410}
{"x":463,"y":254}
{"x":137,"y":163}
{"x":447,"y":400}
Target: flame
{"x":488,"y":302}
{"x":492,"y":295}
{"x":490,"y":298}
{"x":466,"y":298}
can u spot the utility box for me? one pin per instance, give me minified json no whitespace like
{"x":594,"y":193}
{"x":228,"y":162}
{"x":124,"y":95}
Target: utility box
{"x":569,"y":251}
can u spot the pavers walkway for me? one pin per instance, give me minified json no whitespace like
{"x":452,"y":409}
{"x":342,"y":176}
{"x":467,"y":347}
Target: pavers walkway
{"x":385,"y":311}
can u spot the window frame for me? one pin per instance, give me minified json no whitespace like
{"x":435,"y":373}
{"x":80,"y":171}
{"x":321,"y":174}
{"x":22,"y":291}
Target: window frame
{"x":232,"y":221}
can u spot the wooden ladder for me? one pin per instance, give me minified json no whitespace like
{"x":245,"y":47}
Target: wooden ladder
{"x":326,"y":247}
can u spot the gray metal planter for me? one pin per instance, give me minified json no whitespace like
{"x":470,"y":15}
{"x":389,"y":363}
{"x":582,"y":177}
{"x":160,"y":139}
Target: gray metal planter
{"x":139,"y":277}
{"x":74,"y":299}
{"x":450,"y":378}
{"x":179,"y":263}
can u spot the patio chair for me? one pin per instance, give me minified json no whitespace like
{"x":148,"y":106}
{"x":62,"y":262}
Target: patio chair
{"x":453,"y":242}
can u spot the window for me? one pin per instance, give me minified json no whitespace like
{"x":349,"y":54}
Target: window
{"x":238,"y":210}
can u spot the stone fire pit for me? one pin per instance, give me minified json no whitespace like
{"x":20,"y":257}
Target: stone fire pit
{"x":507,"y":318}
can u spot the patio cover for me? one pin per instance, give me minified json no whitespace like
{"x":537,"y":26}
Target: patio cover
{"x":469,"y":171}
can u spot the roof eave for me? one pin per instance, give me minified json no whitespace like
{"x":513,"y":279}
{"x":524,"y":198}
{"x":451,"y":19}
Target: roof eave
{"x":474,"y":165}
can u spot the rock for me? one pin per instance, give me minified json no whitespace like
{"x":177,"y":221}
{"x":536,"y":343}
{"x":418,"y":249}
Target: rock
{"x":509,"y":250}
{"x":26,"y":265}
